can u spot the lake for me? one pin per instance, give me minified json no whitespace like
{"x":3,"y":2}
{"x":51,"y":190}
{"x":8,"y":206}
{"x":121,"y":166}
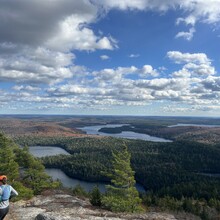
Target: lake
{"x":194,"y":125}
{"x":72,"y":182}
{"x":125,"y":134}
{"x":42,"y":151}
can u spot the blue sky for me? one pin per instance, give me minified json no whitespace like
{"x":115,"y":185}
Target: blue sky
{"x":114,"y":57}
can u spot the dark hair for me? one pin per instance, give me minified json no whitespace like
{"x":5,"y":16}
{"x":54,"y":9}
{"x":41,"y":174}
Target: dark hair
{"x":4,"y":181}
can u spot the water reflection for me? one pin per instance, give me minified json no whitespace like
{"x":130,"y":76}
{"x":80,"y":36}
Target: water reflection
{"x":124,"y":134}
{"x":43,"y":151}
{"x":71,"y":182}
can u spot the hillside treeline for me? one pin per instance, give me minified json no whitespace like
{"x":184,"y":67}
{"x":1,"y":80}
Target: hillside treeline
{"x":178,"y":169}
{"x":25,"y":173}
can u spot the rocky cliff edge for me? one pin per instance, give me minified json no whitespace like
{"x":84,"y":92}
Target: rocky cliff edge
{"x":58,"y":205}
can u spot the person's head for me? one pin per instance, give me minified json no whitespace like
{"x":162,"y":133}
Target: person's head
{"x":3,"y":179}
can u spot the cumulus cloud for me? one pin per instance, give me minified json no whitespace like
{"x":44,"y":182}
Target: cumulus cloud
{"x":35,"y":66}
{"x":57,"y":25}
{"x":26,"y":88}
{"x":148,"y":70}
{"x":193,"y":10}
{"x":195,"y":64}
{"x":212,"y":83}
{"x":134,"y":55}
{"x":104,"y":57}
{"x":186,"y":35}
{"x":39,"y":37}
{"x":137,"y":4}
{"x":37,"y":57}
{"x":115,"y":76}
{"x":111,"y":87}
{"x":179,"y":57}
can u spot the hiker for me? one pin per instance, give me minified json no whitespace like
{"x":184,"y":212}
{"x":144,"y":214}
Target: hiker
{"x":6,"y":192}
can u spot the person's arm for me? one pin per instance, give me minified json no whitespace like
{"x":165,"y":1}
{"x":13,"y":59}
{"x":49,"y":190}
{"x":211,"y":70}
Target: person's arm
{"x":13,"y":192}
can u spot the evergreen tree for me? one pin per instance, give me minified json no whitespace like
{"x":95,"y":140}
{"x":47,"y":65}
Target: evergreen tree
{"x":34,"y":175}
{"x":78,"y":190}
{"x":25,"y":173}
{"x":122,"y":196}
{"x":95,"y":197}
{"x":8,"y":166}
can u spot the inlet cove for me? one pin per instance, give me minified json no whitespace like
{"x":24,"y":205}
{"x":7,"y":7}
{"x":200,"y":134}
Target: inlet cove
{"x":58,"y":174}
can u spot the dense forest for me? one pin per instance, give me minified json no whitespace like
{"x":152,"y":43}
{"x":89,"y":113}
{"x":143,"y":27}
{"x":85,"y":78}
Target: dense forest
{"x":177,"y":169}
{"x":24,"y":172}
{"x":180,"y":175}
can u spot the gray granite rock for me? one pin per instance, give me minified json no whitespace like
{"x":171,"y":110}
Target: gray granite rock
{"x":43,"y":216}
{"x":61,"y":206}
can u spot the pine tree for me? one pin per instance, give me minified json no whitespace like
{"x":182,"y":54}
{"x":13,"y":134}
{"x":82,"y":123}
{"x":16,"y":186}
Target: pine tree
{"x":8,"y":166}
{"x":122,"y":196}
{"x":24,"y":172}
{"x":34,"y":175}
{"x":95,"y":196}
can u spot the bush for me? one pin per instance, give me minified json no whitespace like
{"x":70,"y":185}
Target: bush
{"x":78,"y":190}
{"x":96,"y":197}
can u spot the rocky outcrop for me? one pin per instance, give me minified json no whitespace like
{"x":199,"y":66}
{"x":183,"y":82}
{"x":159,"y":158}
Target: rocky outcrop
{"x":60,"y":206}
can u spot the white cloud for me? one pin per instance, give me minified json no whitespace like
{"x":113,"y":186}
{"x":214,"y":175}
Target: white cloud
{"x":39,"y":38}
{"x":35,"y":66}
{"x":111,"y":88}
{"x":138,"y":4}
{"x":148,"y":70}
{"x":190,"y":20}
{"x":186,"y":35}
{"x":194,"y":10}
{"x":134,"y":55}
{"x":73,"y":34}
{"x":26,"y":88}
{"x":183,"y":73}
{"x":179,"y":57}
{"x":200,"y":69}
{"x":195,"y":64}
{"x":212,"y":83}
{"x":104,"y":57}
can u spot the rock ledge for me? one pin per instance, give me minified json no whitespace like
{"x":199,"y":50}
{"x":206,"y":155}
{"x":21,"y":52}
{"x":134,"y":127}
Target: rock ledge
{"x":58,"y":205}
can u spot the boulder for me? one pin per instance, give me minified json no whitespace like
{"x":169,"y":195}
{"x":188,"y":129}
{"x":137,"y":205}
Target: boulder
{"x":44,"y":216}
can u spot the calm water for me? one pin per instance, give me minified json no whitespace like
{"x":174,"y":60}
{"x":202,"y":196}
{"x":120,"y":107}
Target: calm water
{"x":124,"y":134}
{"x":42,"y":151}
{"x":195,"y":125}
{"x":71,"y":182}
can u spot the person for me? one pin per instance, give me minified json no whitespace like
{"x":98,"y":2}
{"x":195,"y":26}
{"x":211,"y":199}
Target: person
{"x":6,"y":192}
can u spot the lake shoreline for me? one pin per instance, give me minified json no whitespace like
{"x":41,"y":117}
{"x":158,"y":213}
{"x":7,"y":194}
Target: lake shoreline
{"x":66,"y":180}
{"x":127,"y":134}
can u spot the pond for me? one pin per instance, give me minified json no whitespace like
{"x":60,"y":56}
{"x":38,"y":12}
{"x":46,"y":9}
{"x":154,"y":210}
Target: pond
{"x":42,"y":151}
{"x":72,"y":182}
{"x":125,"y":134}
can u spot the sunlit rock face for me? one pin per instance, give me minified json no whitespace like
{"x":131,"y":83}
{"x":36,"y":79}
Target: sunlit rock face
{"x":57,"y":205}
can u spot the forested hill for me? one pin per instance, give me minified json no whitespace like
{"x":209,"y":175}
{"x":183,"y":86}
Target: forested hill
{"x":172,"y":173}
{"x":177,"y":169}
{"x":25,"y":173}
{"x":177,"y":176}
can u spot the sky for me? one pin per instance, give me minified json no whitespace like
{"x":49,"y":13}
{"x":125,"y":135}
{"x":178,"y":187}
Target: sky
{"x":110,"y":57}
